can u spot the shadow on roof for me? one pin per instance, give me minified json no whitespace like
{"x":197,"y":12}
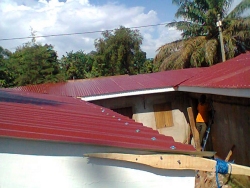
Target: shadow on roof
{"x":12,"y":97}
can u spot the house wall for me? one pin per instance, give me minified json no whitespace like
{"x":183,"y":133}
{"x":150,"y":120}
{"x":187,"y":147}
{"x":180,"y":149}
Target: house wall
{"x":231,"y":124}
{"x":39,"y":164}
{"x":143,"y":111}
{"x":231,"y":127}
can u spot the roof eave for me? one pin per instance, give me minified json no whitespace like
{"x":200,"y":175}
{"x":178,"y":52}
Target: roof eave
{"x":127,"y":94}
{"x":234,"y":92}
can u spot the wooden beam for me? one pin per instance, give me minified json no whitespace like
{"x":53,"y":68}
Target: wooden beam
{"x":230,"y":153}
{"x":193,"y":129}
{"x":169,"y":161}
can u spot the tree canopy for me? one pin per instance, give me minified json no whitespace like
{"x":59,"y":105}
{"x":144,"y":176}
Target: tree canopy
{"x":200,"y":45}
{"x":5,"y":73}
{"x":34,"y":63}
{"x":77,"y":65}
{"x":119,"y":52}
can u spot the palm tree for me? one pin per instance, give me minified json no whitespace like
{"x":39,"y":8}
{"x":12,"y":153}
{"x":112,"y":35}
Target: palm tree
{"x":200,"y":44}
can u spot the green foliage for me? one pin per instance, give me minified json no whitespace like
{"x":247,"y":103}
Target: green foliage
{"x":200,"y":44}
{"x":34,"y":64}
{"x":118,"y":53}
{"x":77,"y":65}
{"x":6,"y":76}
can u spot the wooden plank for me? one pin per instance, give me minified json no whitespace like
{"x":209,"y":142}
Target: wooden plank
{"x":230,"y":153}
{"x":176,"y":162}
{"x":163,"y":115}
{"x":193,"y":129}
{"x":193,"y":153}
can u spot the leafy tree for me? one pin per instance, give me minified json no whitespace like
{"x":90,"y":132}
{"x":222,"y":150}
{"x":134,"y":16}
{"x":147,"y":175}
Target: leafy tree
{"x":118,"y":52}
{"x":6,"y":76}
{"x":77,"y":65}
{"x":34,"y":63}
{"x":200,"y":44}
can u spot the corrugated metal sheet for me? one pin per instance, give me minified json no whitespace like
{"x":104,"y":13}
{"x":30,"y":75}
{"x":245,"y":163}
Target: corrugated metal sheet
{"x":64,"y":119}
{"x":234,"y":73}
{"x":114,"y":84}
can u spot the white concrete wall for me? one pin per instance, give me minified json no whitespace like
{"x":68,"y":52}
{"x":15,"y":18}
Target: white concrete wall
{"x":39,"y":170}
{"x":143,"y":111}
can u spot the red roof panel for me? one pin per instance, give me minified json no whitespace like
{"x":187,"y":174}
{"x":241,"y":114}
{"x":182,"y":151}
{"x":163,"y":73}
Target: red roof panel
{"x":234,"y":73}
{"x":65,"y":119}
{"x":114,"y":84}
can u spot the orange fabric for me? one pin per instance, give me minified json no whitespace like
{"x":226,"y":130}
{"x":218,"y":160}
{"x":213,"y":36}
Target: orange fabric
{"x":202,"y":113}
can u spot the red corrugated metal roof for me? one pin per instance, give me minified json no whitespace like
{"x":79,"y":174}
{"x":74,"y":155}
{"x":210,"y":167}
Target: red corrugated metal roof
{"x":65,"y":119}
{"x":234,"y":73}
{"x":114,"y":84}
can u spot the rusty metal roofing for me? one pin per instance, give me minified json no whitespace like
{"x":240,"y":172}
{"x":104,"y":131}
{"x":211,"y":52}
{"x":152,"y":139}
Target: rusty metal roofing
{"x":114,"y":84}
{"x":232,"y":74}
{"x":64,"y":119}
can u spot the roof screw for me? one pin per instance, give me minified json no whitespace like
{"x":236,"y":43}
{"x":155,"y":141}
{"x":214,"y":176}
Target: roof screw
{"x":126,"y":123}
{"x":153,"y":138}
{"x":173,"y":147}
{"x":137,"y":130}
{"x":103,"y":110}
{"x":113,"y":116}
{"x":119,"y":119}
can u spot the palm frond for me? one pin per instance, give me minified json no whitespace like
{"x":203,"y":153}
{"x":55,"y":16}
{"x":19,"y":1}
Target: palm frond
{"x":172,"y":62}
{"x":181,"y":25}
{"x":211,"y":51}
{"x":200,"y":45}
{"x":167,"y":49}
{"x":239,"y":9}
{"x":190,"y":46}
{"x":198,"y":56}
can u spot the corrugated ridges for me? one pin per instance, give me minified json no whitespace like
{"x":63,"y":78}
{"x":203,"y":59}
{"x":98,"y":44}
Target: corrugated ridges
{"x":64,"y":119}
{"x":234,"y":73}
{"x":114,"y":84}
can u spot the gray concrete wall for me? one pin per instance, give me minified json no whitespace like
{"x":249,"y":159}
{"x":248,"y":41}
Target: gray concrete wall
{"x":143,"y":111}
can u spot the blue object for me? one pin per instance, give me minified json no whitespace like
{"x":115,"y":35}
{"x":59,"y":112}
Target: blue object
{"x":222,"y":168}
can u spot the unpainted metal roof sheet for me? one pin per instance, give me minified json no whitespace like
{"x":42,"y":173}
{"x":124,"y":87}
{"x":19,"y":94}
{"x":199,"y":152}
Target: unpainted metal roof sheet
{"x":64,"y":119}
{"x":234,"y":74}
{"x":113,"y":84}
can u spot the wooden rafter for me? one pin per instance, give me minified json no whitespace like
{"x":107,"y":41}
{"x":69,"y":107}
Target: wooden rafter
{"x":173,"y":161}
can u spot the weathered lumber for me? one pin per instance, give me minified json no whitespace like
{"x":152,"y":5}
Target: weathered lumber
{"x":193,"y":129}
{"x":230,"y":153}
{"x":171,"y":161}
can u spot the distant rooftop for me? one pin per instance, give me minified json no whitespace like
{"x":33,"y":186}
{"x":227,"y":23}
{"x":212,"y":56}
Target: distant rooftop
{"x":230,"y":78}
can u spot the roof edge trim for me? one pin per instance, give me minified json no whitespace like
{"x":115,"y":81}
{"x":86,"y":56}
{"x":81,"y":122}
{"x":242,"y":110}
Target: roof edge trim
{"x":127,"y":94}
{"x":234,"y":92}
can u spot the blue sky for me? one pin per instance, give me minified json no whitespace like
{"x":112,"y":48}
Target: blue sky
{"x":164,"y":8}
{"x":51,"y":17}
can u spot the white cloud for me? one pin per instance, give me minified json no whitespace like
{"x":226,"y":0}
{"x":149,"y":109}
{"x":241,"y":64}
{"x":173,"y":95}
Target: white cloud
{"x":76,"y":16}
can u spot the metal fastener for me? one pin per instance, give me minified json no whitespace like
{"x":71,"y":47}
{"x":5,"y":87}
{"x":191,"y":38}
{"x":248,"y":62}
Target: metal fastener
{"x":173,"y":147}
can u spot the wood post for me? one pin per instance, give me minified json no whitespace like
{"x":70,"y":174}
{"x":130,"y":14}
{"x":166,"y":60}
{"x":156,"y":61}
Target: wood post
{"x":193,"y":129}
{"x":230,"y":153}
